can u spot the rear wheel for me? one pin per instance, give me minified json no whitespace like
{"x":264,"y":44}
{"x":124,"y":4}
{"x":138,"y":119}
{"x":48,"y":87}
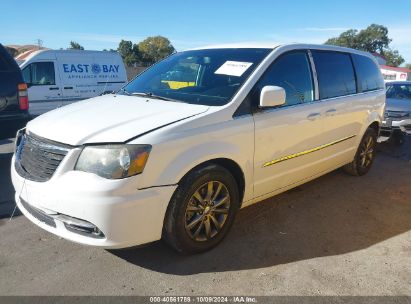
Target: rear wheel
{"x":202,"y":210}
{"x":365,"y":155}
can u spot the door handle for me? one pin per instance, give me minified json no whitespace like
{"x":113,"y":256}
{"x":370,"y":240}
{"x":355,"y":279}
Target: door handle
{"x":53,"y":88}
{"x":68,"y":88}
{"x":313,"y":116}
{"x":330,"y":112}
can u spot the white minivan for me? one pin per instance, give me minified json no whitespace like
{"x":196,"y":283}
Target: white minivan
{"x":59,"y":77}
{"x":188,"y":142}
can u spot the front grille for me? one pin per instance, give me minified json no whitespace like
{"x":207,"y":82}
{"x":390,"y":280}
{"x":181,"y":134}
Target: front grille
{"x":37,"y":158}
{"x":407,"y":127}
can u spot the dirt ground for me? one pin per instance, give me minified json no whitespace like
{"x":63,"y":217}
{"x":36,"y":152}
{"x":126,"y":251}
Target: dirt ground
{"x":337,"y":235}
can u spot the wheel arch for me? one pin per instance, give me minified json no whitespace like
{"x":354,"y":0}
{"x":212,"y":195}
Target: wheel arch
{"x":376,"y":126}
{"x":228,"y":164}
{"x":372,"y":121}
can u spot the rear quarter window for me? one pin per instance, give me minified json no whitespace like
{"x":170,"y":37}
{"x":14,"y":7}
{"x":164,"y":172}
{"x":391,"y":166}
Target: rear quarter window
{"x":368,"y":73}
{"x":335,"y":74}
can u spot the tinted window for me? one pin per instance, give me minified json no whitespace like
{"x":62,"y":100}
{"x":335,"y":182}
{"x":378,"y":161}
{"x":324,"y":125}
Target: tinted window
{"x":399,"y":91}
{"x":369,"y":75}
{"x":335,"y":74}
{"x":27,"y":74}
{"x":39,"y":73}
{"x":291,"y":72}
{"x":208,"y":77}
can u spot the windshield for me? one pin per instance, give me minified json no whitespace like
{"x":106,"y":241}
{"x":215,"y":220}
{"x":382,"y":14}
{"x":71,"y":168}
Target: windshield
{"x":207,"y":77}
{"x":399,"y":91}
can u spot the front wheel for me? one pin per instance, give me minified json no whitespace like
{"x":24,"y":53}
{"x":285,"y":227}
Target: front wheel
{"x":397,"y":138}
{"x":202,"y":210}
{"x":365,"y":155}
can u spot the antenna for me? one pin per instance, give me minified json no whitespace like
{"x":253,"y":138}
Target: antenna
{"x":39,"y":43}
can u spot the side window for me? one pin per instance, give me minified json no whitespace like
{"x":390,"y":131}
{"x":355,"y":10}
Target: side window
{"x":369,"y":75}
{"x":41,"y":73}
{"x":27,"y":74}
{"x":292,"y":72}
{"x":335,"y":74}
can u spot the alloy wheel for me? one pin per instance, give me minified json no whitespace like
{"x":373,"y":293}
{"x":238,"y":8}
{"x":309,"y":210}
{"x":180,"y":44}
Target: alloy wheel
{"x":207,"y":211}
{"x":367,"y":152}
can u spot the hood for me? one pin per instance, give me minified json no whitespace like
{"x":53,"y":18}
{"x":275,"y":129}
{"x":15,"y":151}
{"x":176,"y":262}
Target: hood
{"x":109,"y":118}
{"x":394,"y":104}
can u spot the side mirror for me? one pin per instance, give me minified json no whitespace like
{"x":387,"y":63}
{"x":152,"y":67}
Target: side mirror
{"x":272,"y":96}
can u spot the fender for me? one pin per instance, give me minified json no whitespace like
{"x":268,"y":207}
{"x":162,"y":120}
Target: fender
{"x":196,"y":155}
{"x":184,"y":162}
{"x":375,"y":115}
{"x":168,"y":163}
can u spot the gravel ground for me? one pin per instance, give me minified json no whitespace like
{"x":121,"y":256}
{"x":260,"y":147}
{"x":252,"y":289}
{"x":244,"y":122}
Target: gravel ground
{"x":337,"y":235}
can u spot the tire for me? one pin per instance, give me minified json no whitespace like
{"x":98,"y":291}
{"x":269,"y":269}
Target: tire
{"x":193,"y":208}
{"x":365,"y":155}
{"x":398,"y":138}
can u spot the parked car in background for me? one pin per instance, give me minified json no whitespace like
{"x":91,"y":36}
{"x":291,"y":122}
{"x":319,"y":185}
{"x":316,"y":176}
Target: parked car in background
{"x":57,"y":78}
{"x":158,"y":160}
{"x":397,"y":118}
{"x":14,"y":103}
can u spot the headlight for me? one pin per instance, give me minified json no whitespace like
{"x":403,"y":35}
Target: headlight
{"x":113,"y":161}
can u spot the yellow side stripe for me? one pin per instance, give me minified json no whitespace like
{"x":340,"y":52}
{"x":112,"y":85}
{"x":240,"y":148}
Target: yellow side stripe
{"x":270,"y":163}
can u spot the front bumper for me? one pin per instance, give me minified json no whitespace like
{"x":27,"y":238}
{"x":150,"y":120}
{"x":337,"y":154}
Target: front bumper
{"x":125,"y":215}
{"x":389,"y":126}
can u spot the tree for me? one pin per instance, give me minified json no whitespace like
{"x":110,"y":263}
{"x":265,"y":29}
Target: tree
{"x":129,"y":52}
{"x":153,"y":49}
{"x":393,"y":57}
{"x":150,"y":50}
{"x":125,"y":48}
{"x":408,"y":66}
{"x":347,"y":39}
{"x":75,"y":46}
{"x":373,"y":39}
{"x":134,"y":57}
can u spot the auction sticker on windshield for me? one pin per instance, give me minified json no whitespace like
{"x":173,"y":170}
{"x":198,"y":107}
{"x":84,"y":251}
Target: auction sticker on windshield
{"x":233,"y":68}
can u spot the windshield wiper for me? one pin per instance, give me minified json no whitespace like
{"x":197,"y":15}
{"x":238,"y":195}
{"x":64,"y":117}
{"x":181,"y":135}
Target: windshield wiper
{"x":125,"y":92}
{"x":151,"y":95}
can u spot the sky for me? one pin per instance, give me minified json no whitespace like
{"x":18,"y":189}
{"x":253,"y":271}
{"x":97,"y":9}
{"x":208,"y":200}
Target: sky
{"x":98,"y":25}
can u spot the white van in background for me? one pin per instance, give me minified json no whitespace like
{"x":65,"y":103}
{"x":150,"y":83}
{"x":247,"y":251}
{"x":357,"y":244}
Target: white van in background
{"x":59,"y":77}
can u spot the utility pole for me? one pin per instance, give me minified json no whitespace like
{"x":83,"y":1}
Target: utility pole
{"x":39,"y":43}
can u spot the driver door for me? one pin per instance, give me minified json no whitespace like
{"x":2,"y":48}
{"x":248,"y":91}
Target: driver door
{"x":286,"y":137}
{"x":43,"y":86}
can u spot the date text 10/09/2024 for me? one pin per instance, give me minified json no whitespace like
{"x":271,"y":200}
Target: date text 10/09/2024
{"x":199,"y":299}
